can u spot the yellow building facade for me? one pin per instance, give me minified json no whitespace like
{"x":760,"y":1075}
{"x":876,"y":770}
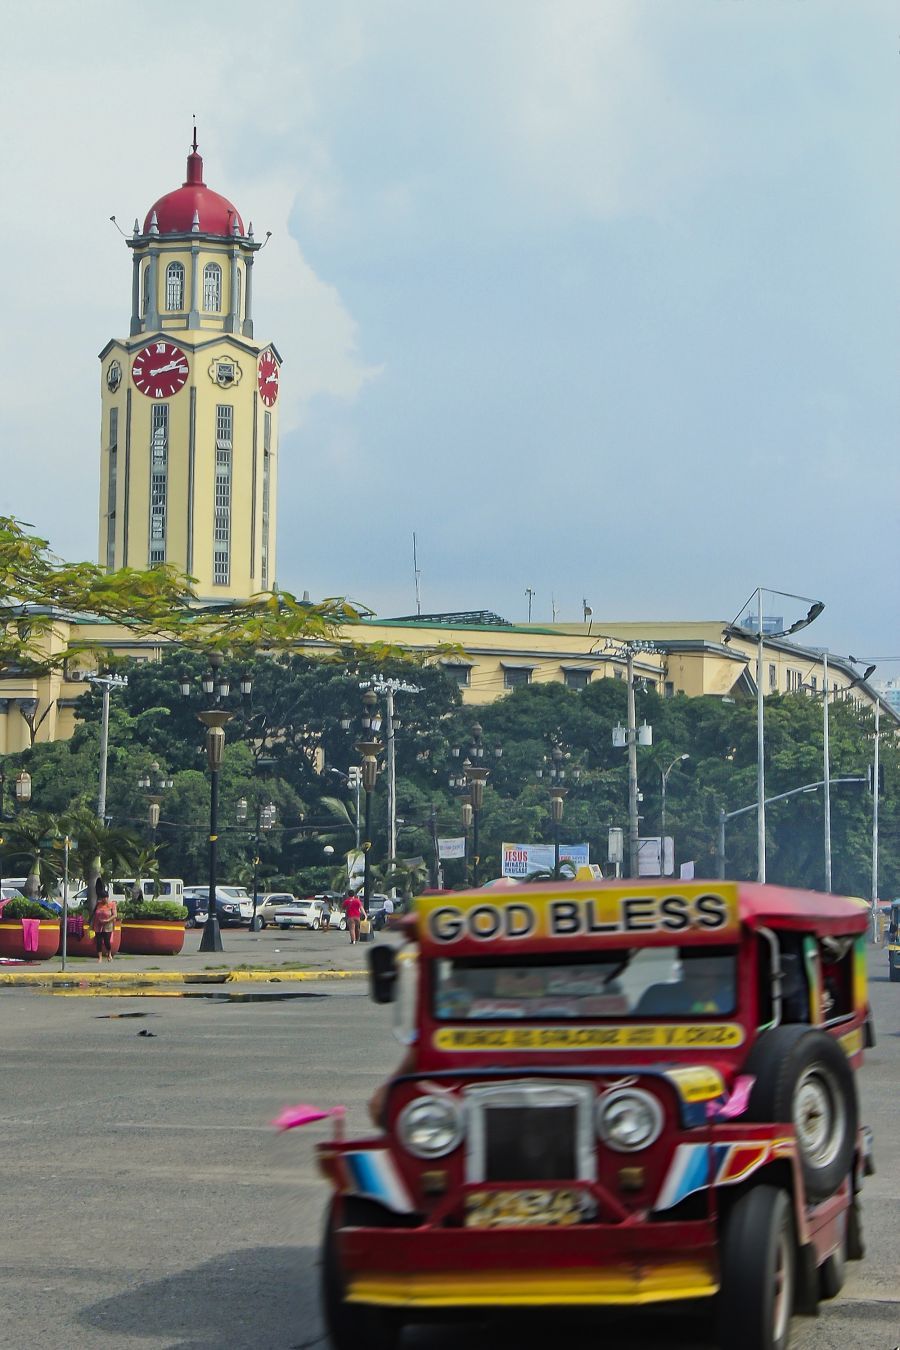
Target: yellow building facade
{"x":189,"y":424}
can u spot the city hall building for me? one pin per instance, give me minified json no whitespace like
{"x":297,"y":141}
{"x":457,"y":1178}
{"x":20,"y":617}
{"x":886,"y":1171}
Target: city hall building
{"x":189,"y":476}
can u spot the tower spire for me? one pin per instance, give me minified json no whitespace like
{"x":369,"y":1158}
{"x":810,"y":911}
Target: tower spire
{"x":194,"y":144}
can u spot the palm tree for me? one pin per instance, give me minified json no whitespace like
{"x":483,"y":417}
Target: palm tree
{"x":31,"y":836}
{"x":98,"y":848}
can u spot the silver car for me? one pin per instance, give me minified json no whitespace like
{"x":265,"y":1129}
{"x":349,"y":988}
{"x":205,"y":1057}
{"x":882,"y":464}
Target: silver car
{"x":267,"y":905}
{"x":301,"y":914}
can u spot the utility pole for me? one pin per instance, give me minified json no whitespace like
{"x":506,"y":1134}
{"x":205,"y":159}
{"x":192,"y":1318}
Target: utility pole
{"x":389,"y":688}
{"x":107,"y":683}
{"x":760,"y":747}
{"x":633,"y":827}
{"x":530,"y":593}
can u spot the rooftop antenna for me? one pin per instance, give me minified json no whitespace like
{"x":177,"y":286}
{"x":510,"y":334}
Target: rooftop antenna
{"x":588,"y":614}
{"x":416,"y":574}
{"x":530,"y":593}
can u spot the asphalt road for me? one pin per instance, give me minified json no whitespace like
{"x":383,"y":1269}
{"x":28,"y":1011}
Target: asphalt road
{"x":146,"y":1202}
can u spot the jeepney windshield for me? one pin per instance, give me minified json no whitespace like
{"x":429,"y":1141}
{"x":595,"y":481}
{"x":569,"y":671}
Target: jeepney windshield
{"x":615,"y":983}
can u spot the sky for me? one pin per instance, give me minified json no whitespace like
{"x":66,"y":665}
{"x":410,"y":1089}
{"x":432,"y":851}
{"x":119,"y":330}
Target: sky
{"x":597,"y":297}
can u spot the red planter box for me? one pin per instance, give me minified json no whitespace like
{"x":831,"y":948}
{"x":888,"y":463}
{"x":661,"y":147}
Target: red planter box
{"x":152,"y":937}
{"x":86,"y":946}
{"x":12,"y":941}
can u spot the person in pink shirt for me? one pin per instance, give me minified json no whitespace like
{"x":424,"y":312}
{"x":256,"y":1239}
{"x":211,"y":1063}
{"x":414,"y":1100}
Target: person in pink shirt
{"x":355,"y":911}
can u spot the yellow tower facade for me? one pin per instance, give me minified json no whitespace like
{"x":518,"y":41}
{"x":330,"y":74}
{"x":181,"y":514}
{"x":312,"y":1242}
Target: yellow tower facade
{"x":189,"y":435}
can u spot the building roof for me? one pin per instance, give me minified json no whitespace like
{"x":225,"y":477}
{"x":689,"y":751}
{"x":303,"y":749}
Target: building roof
{"x":193,"y":208}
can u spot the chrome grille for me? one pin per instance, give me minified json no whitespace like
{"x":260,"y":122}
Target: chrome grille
{"x":530,"y":1131}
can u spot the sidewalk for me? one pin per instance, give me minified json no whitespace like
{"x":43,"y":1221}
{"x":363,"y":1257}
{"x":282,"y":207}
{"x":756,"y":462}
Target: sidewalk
{"x":266,"y":957}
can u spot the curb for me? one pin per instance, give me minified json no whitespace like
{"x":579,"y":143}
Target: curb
{"x":118,"y":981}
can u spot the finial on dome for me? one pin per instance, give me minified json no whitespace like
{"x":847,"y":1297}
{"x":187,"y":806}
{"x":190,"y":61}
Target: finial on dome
{"x":195,"y":223}
{"x":194,"y":163}
{"x":137,"y":229}
{"x":250,"y":231}
{"x":154,"y":224}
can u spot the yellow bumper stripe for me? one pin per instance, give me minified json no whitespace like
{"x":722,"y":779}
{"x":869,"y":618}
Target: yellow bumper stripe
{"x":617,"y":1285}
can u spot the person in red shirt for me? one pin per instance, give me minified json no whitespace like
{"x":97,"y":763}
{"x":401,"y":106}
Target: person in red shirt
{"x":355,"y":911}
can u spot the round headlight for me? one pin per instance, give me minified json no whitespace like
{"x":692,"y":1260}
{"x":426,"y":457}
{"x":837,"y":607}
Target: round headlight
{"x":629,"y":1119}
{"x":429,"y":1127}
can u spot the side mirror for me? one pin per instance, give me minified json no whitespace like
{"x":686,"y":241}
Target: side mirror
{"x":382,"y":974}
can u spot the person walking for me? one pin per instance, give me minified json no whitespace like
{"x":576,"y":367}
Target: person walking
{"x":104,"y":921}
{"x":355,"y":911}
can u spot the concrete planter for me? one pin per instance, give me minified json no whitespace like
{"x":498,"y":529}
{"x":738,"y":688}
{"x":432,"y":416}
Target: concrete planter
{"x":86,"y":946}
{"x":152,"y":937}
{"x":12,"y":942}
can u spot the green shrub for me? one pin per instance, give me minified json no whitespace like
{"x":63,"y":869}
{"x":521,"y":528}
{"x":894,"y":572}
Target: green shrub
{"x":26,"y":909}
{"x":152,"y":909}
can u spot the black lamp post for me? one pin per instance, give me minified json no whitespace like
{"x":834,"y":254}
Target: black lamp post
{"x":558,"y":790}
{"x":215,"y":721}
{"x":467,"y":815}
{"x":216,"y":684}
{"x":475,"y":776}
{"x":265,"y":820}
{"x":155,"y":783}
{"x":369,"y":748}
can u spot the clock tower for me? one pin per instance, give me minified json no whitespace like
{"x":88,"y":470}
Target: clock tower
{"x":189,"y":432}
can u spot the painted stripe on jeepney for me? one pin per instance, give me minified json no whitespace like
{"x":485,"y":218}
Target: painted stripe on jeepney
{"x":695,"y":1164}
{"x":372,"y":1175}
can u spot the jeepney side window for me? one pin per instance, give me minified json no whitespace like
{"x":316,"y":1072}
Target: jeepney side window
{"x":836,"y":956}
{"x":795,"y":1005}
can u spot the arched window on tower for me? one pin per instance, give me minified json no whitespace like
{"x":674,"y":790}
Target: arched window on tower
{"x":174,"y":286}
{"x":212,"y":288}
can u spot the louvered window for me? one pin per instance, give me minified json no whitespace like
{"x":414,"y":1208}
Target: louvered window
{"x":212,"y":288}
{"x":174,"y":286}
{"x":266,"y":492}
{"x":222,"y":518}
{"x":159,"y":476}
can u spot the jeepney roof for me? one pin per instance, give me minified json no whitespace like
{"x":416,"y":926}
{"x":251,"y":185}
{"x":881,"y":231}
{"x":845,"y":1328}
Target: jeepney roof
{"x":574,"y":915}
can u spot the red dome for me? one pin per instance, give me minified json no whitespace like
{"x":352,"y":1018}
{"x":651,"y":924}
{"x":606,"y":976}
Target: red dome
{"x":175,"y":211}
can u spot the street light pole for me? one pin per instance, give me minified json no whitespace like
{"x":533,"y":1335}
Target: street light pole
{"x":369,"y":748}
{"x":389,"y":688}
{"x":633,"y":825}
{"x":826,"y":758}
{"x":755,"y":631}
{"x":664,"y":774}
{"x":875,"y":806}
{"x":779,"y":797}
{"x":215,"y":721}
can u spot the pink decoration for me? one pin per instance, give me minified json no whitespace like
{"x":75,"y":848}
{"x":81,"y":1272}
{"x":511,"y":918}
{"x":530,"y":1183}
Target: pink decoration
{"x":736,"y":1103}
{"x":292,"y":1116}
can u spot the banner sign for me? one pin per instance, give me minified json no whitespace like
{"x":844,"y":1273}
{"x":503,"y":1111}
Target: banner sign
{"x":523,"y":860}
{"x":452,"y":848}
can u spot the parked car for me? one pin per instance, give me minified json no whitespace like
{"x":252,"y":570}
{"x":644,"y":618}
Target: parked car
{"x":309,"y":913}
{"x":234,"y":905}
{"x":268,"y":903}
{"x":197,"y":907}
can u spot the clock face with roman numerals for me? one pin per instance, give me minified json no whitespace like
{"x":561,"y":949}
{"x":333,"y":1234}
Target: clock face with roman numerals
{"x":267,"y":378}
{"x":160,"y":369}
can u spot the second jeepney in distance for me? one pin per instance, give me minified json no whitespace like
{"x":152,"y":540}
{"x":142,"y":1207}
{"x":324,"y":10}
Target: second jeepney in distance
{"x":614,"y":1094}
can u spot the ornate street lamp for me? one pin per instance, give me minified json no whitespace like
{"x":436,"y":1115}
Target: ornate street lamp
{"x":369,"y":748}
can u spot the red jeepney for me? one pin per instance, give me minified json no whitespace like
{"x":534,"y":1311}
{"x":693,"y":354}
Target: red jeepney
{"x":613,"y":1094}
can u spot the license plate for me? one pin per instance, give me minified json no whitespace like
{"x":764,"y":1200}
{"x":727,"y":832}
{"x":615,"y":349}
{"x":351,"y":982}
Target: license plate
{"x":524,"y":1209}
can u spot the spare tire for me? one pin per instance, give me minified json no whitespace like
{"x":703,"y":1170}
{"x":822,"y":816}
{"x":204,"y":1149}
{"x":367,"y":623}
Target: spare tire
{"x":803,"y":1079}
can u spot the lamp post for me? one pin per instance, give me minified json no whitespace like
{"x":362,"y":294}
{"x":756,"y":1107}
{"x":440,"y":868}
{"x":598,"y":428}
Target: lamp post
{"x":369,"y":748}
{"x":389,"y":688}
{"x":155,"y":782}
{"x":476,"y":775}
{"x":215,"y":721}
{"x":754,"y":630}
{"x":664,"y":776}
{"x":266,"y":815}
{"x":467,"y":815}
{"x":725,"y":816}
{"x":215,"y":683}
{"x":558,"y":792}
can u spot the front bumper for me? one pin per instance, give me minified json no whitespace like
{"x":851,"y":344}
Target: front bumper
{"x":588,"y":1265}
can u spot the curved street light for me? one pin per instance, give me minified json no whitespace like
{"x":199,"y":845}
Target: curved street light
{"x":755,"y":631}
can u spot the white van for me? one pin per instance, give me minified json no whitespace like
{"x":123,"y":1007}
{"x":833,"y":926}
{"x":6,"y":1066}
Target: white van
{"x":170,"y":888}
